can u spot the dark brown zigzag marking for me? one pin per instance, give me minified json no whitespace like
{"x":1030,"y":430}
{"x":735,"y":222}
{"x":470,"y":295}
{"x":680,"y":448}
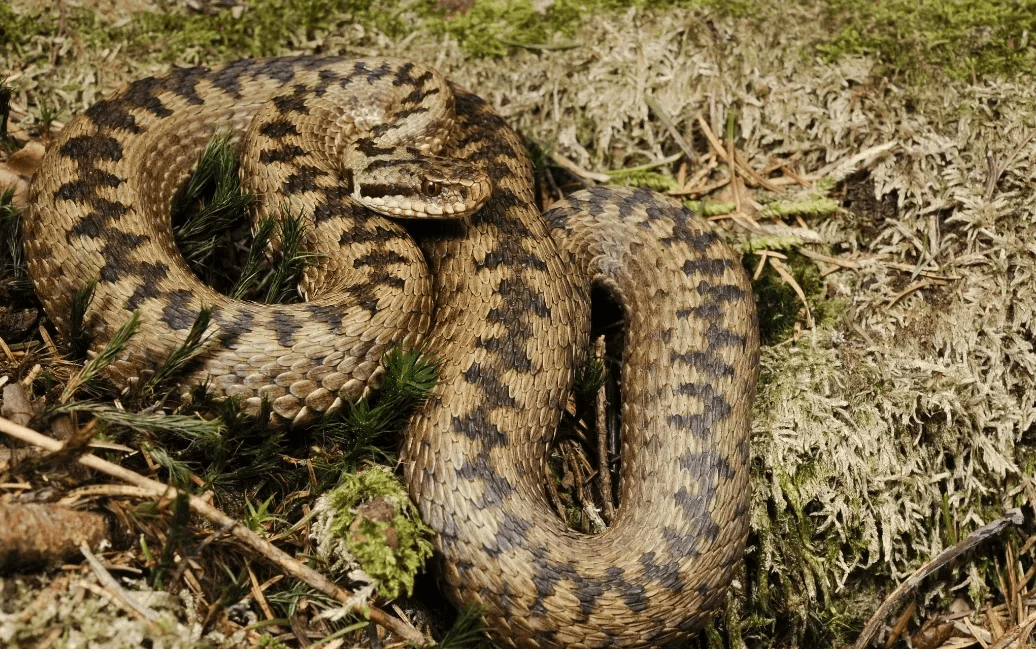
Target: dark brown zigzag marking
{"x":229,"y":77}
{"x":372,"y":75}
{"x":286,"y":326}
{"x":277,"y":129}
{"x":403,"y":75}
{"x":330,"y":315}
{"x":719,"y":337}
{"x":495,"y":488}
{"x":586,"y":589}
{"x":95,"y":224}
{"x":512,"y":534}
{"x":87,"y":148}
{"x":488,"y":379}
{"x":505,"y":347}
{"x":303,"y":180}
{"x":699,"y":240}
{"x":501,"y":202}
{"x":703,"y":362}
{"x":144,"y":94}
{"x":110,"y":116}
{"x":412,"y":102}
{"x":90,"y":178}
{"x":230,"y":330}
{"x":721,"y":292}
{"x":364,"y":294}
{"x":177,"y":313}
{"x":703,"y":266}
{"x":696,"y":511}
{"x":117,"y":251}
{"x":667,"y":575}
{"x":476,"y":425}
{"x":295,"y":103}
{"x":360,"y":235}
{"x":714,"y":408}
{"x":367,"y":147}
{"x":379,"y":259}
{"x":334,"y":204}
{"x":327,"y":79}
{"x":286,"y":153}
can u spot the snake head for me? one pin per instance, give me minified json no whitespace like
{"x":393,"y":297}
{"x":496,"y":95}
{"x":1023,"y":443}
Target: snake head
{"x":421,"y":186}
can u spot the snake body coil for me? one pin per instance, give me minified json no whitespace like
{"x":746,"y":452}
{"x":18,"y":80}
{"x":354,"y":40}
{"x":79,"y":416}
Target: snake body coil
{"x":505,"y":293}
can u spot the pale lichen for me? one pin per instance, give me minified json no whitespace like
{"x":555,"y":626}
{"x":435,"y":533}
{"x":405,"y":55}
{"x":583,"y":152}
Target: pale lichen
{"x":907,"y":417}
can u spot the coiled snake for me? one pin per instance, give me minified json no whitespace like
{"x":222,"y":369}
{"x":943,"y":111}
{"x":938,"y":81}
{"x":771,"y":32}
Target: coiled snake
{"x":497,"y":292}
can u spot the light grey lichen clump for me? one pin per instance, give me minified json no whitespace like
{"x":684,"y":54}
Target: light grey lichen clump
{"x":71,"y":615}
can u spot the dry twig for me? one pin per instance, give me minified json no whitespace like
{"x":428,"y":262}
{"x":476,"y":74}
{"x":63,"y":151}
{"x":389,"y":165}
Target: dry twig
{"x":1013,"y":517}
{"x":253,"y":541}
{"x":601,"y":424}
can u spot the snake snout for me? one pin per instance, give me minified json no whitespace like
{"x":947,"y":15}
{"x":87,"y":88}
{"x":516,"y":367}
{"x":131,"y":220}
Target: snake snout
{"x":424,"y":187}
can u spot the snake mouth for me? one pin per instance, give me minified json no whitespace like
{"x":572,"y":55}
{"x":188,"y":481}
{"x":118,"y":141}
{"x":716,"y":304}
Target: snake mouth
{"x":434,"y":197}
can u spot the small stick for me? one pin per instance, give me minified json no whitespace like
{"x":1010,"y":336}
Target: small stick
{"x":1013,"y":517}
{"x":844,"y":263}
{"x":671,"y":127}
{"x":251,"y":540}
{"x":786,"y":275}
{"x":753,"y":174}
{"x":601,"y":424}
{"x":568,"y":165}
{"x":925,"y":283}
{"x":732,"y":164}
{"x":901,"y":625}
{"x":117,"y":591}
{"x":1018,"y":633}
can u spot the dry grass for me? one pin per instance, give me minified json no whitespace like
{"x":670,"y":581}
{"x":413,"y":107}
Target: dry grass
{"x":905,"y":416}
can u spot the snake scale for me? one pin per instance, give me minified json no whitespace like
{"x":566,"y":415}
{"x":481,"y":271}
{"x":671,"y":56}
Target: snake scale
{"x":497,"y":291}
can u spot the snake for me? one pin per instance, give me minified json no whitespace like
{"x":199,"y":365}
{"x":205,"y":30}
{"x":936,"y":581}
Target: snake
{"x":421,"y":201}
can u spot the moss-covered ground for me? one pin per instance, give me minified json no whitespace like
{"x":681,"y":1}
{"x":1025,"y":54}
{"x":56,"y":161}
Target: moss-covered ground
{"x":891,"y":244}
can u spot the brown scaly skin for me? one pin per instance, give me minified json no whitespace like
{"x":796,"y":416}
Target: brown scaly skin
{"x":99,"y":210}
{"x":509,"y":320}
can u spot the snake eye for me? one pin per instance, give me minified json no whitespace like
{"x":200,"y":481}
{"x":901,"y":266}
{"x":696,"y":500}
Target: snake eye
{"x":430,"y":188}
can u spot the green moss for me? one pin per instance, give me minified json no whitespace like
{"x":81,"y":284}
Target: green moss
{"x":649,"y":179}
{"x":16,"y":30}
{"x":813,"y":206}
{"x":792,"y":599}
{"x":19,"y":31}
{"x":390,"y":547}
{"x":265,"y":28}
{"x":777,"y":303}
{"x":271,"y":27}
{"x":493,"y":27}
{"x":12,"y":257}
{"x":963,"y":38}
{"x":711,"y":208}
{"x":269,"y":642}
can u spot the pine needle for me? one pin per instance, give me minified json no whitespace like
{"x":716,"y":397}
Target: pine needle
{"x":410,"y":377}
{"x":77,"y":316}
{"x":142,"y":421}
{"x":286,"y":274}
{"x":107,"y":355}
{"x":216,"y":175}
{"x":192,"y":345}
{"x":251,"y":274}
